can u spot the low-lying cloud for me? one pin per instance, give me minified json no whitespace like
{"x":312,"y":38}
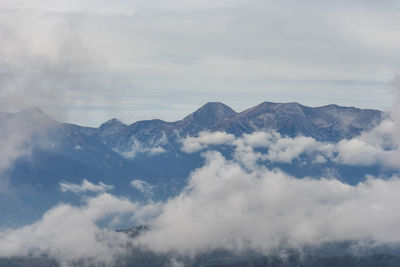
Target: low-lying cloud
{"x":376,"y":147}
{"x":205,"y":139}
{"x":70,"y":234}
{"x":225,"y":205}
{"x":16,"y":133}
{"x":152,"y":147}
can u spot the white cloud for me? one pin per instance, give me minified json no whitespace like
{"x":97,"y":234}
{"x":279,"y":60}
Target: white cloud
{"x":70,"y":234}
{"x":395,"y":112}
{"x":258,"y":139}
{"x":138,"y":148}
{"x":150,"y":147}
{"x":16,"y":130}
{"x":77,"y":147}
{"x":204,"y":140}
{"x":226,"y":206}
{"x":12,"y":147}
{"x":279,"y":149}
{"x":85,"y":187}
{"x":287,"y":149}
{"x":143,"y":187}
{"x":379,"y":146}
{"x":358,"y":152}
{"x":223,"y":206}
{"x":157,"y":150}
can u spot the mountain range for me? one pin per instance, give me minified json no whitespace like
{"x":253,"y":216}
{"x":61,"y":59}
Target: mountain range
{"x":326,"y":123}
{"x":115,"y":153}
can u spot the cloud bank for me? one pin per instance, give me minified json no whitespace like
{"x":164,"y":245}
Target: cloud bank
{"x":70,"y":234}
{"x":226,"y":204}
{"x":378,"y":147}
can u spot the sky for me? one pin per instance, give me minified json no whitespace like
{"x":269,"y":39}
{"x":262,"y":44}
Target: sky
{"x":88,"y":61}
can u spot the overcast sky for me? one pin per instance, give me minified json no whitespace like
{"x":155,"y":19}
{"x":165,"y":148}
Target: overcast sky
{"x":86,"y":61}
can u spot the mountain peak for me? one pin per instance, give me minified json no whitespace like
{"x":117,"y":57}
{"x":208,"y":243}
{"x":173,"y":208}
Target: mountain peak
{"x":219,"y":109}
{"x":32,"y":111}
{"x":208,"y":115}
{"x":113,"y":123}
{"x":111,"y":127}
{"x":271,"y":107}
{"x":214,"y":104}
{"x":284,"y":104}
{"x":34,"y":114}
{"x":33,"y":120}
{"x":212,"y":111}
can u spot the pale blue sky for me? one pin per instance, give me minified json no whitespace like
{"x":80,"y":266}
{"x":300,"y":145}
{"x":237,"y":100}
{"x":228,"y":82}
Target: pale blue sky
{"x":87,"y":61}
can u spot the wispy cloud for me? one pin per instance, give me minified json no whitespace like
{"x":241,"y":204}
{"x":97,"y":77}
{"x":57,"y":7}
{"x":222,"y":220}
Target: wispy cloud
{"x":85,"y":187}
{"x":151,"y":147}
{"x":142,"y":186}
{"x":15,"y":137}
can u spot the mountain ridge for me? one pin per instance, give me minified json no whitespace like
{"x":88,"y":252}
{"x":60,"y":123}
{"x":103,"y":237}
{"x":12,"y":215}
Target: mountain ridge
{"x":324,"y":123}
{"x":151,"y":150}
{"x":207,"y":105}
{"x":275,"y":116}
